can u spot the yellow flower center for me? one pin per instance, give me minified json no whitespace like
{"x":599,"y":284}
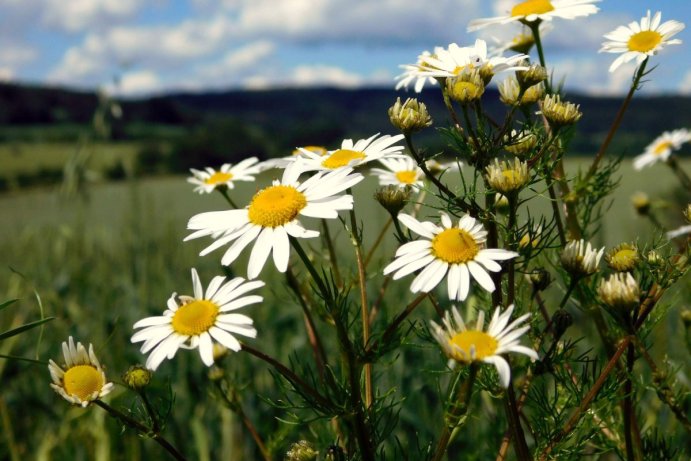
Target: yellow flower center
{"x":624,"y":259}
{"x":526,"y":240}
{"x":82,"y":381}
{"x":406,"y":176}
{"x":219,"y":178}
{"x":644,"y":41}
{"x":485,"y":345}
{"x":276,"y":206}
{"x":454,"y":246}
{"x":511,"y":176}
{"x":662,"y":148}
{"x":195,"y":317}
{"x":532,"y":7}
{"x":342,"y":157}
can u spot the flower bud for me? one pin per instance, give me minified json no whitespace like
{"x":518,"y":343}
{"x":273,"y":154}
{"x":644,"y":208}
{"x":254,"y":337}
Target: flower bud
{"x":522,"y":43}
{"x":509,"y":90}
{"x":466,"y":87}
{"x":531,"y":76}
{"x":410,"y":116}
{"x":560,"y":113}
{"x":301,"y":451}
{"x":641,"y":203}
{"x":622,"y":258}
{"x":561,"y":321}
{"x":393,"y":198}
{"x":506,"y":177}
{"x":501,"y":202}
{"x":137,"y":377}
{"x":687,"y":213}
{"x":653,"y":258}
{"x":620,"y":291}
{"x":520,"y":143}
{"x":539,"y":278}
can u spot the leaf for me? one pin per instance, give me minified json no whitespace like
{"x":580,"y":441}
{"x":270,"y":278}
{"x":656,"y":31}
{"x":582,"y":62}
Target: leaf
{"x":28,"y":326}
{"x":8,"y":303}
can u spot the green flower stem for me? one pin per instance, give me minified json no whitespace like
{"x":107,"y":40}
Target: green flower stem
{"x":632,"y":437}
{"x":555,"y":208}
{"x":332,"y":252}
{"x":378,"y":241}
{"x":513,"y":206}
{"x":679,"y":171}
{"x":142,"y":429}
{"x":224,"y":193}
{"x":448,"y":105}
{"x":617,"y":120}
{"x":150,"y":410}
{"x":310,"y":268}
{"x":473,"y":137}
{"x":535,"y":29}
{"x":493,"y":242}
{"x":458,"y":410}
{"x":572,"y":285}
{"x":570,"y":425}
{"x":391,"y":329}
{"x":364,"y":309}
{"x":513,"y":415}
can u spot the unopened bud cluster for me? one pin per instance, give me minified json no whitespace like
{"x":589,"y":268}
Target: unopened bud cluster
{"x":410,"y":116}
{"x":580,"y":259}
{"x":467,"y":87}
{"x":560,"y":113}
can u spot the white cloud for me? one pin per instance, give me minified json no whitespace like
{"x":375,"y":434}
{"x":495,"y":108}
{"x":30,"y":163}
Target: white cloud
{"x":6,"y":74}
{"x":237,"y":61}
{"x":136,"y":83}
{"x":15,"y":54}
{"x":685,"y":85}
{"x":79,"y":15}
{"x":316,"y":76}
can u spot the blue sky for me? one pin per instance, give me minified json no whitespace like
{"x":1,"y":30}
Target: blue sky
{"x":154,"y":46}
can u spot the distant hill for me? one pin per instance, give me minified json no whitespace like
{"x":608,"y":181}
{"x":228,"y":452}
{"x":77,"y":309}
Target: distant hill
{"x":291,"y":117}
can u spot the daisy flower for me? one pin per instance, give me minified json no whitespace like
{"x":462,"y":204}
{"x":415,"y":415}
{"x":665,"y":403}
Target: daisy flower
{"x":209,"y":179}
{"x":82,"y":379}
{"x":546,"y":10}
{"x":192,"y":322}
{"x":454,"y":252}
{"x":400,"y":172}
{"x":580,"y":259}
{"x":476,"y":345}
{"x":450,"y":62}
{"x":640,"y":40}
{"x":662,"y":148}
{"x":352,"y":154}
{"x":273,"y":215}
{"x":417,"y":72}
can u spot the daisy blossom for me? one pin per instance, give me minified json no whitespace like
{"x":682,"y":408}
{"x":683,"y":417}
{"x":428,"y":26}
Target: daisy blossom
{"x":273,"y":216}
{"x":400,"y":172}
{"x":546,"y":10}
{"x":192,"y":322}
{"x":352,"y":154}
{"x":662,"y":148}
{"x":450,"y":62}
{"x":640,"y":40}
{"x":209,"y":179}
{"x":454,"y":252}
{"x":476,"y":345}
{"x":82,"y":379}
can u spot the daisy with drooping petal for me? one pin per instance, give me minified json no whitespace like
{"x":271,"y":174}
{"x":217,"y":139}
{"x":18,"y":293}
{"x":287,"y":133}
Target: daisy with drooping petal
{"x":273,"y":216}
{"x":476,"y":345}
{"x":454,"y":252}
{"x":640,"y":40}
{"x":417,"y":72}
{"x":352,"y":154}
{"x":580,"y":259}
{"x":401,"y":172}
{"x":192,"y":322}
{"x":81,"y":380}
{"x":451,"y":61}
{"x":546,"y":10}
{"x":662,"y":148}
{"x":209,"y":179}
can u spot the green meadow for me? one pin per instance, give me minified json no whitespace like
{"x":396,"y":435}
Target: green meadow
{"x":100,"y":260}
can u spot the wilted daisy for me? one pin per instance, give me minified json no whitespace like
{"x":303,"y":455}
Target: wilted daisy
{"x":273,"y":216}
{"x":451,"y":61}
{"x":619,"y":291}
{"x":454,"y":252}
{"x":192,"y":322}
{"x":400,"y":172}
{"x":640,"y":40}
{"x":545,"y":10}
{"x":352,"y":154}
{"x":580,"y":259}
{"x":81,"y":380}
{"x":662,"y":147}
{"x":209,"y":179}
{"x":476,"y":345}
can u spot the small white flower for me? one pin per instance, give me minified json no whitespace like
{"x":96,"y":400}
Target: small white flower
{"x":82,"y":380}
{"x":192,"y":322}
{"x":352,"y":154}
{"x":475,"y":345}
{"x":640,"y":40}
{"x":273,"y":215}
{"x":209,"y":179}
{"x":546,"y":10}
{"x":579,"y":258}
{"x":662,"y":148}
{"x":454,"y":252}
{"x":400,"y":172}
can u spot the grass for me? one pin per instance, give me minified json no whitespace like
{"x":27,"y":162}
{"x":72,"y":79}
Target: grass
{"x":103,"y":261}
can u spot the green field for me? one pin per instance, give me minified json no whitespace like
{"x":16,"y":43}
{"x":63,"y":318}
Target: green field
{"x":103,"y":260}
